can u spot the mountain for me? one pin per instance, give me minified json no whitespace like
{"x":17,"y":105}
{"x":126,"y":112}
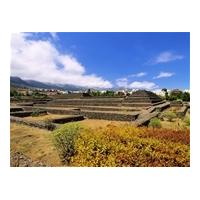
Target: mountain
{"x":18,"y":82}
{"x":37,"y":84}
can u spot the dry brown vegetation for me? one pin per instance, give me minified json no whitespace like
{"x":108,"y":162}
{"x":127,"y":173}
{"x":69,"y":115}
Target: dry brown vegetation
{"x":35,"y":143}
{"x":104,"y":143}
{"x":95,"y":123}
{"x":45,"y":117}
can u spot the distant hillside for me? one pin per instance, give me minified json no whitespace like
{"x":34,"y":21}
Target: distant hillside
{"x":18,"y":82}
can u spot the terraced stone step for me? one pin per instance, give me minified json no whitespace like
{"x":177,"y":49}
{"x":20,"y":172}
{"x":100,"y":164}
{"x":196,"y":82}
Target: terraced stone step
{"x":91,"y":107}
{"x":143,"y":97}
{"x":107,"y":115}
{"x":62,"y":120}
{"x":117,"y":116}
{"x":159,"y":107}
{"x":145,"y":118}
{"x":141,"y":100}
{"x":25,"y":104}
{"x":124,"y":106}
{"x":182,"y":111}
{"x":16,"y":109}
{"x":108,"y":108}
{"x":103,"y":97}
{"x":30,"y":100}
{"x":26,"y":113}
{"x":75,"y":103}
{"x":88,"y":100}
{"x":68,"y":96}
{"x":41,"y":125}
{"x":136,"y":104}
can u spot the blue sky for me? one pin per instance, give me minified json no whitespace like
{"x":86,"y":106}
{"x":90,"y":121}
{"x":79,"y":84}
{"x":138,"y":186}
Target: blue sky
{"x":131,"y":60}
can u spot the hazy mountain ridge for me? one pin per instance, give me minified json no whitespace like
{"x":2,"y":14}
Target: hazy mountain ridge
{"x":19,"y":82}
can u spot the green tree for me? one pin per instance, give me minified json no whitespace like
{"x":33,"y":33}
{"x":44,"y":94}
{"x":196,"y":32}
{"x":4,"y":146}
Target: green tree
{"x":13,"y":93}
{"x":186,"y":96}
{"x":176,"y":94}
{"x":109,"y":93}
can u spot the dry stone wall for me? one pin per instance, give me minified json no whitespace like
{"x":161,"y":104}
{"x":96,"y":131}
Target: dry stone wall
{"x":20,"y":120}
{"x":25,"y":113}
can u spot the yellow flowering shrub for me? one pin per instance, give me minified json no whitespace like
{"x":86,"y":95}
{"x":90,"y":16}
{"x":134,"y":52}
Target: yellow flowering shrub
{"x":125,"y":145}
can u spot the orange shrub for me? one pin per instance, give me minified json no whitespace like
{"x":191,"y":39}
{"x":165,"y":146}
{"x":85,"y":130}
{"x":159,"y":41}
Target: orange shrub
{"x":182,"y":136}
{"x":129,"y":146}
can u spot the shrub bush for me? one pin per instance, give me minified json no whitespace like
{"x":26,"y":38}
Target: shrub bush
{"x":176,"y":136}
{"x":169,"y":115}
{"x":187,"y":121}
{"x":49,"y":125}
{"x":129,"y":146}
{"x":155,"y":123}
{"x":64,"y":139}
{"x":35,"y":113}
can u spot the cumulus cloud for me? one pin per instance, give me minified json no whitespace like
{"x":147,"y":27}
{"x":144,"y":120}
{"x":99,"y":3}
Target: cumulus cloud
{"x":165,"y":57}
{"x":159,"y":92}
{"x":40,"y":60}
{"x":140,"y":74}
{"x":143,"y":85}
{"x":122,"y":82}
{"x":164,"y":75}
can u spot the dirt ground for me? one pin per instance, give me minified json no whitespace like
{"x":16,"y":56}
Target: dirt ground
{"x":95,"y":123}
{"x":46,"y":117}
{"x":177,"y":124}
{"x":35,"y":143}
{"x":92,"y":123}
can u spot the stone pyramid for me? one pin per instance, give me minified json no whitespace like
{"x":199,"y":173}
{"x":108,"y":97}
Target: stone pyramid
{"x":142,"y":98}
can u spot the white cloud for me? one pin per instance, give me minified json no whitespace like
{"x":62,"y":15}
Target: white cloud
{"x":143,"y":85}
{"x":165,"y":57}
{"x":40,"y":60}
{"x":186,"y":90}
{"x":159,"y":92}
{"x":122,"y":82}
{"x":138,"y":74}
{"x":125,"y":83}
{"x":164,"y":75}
